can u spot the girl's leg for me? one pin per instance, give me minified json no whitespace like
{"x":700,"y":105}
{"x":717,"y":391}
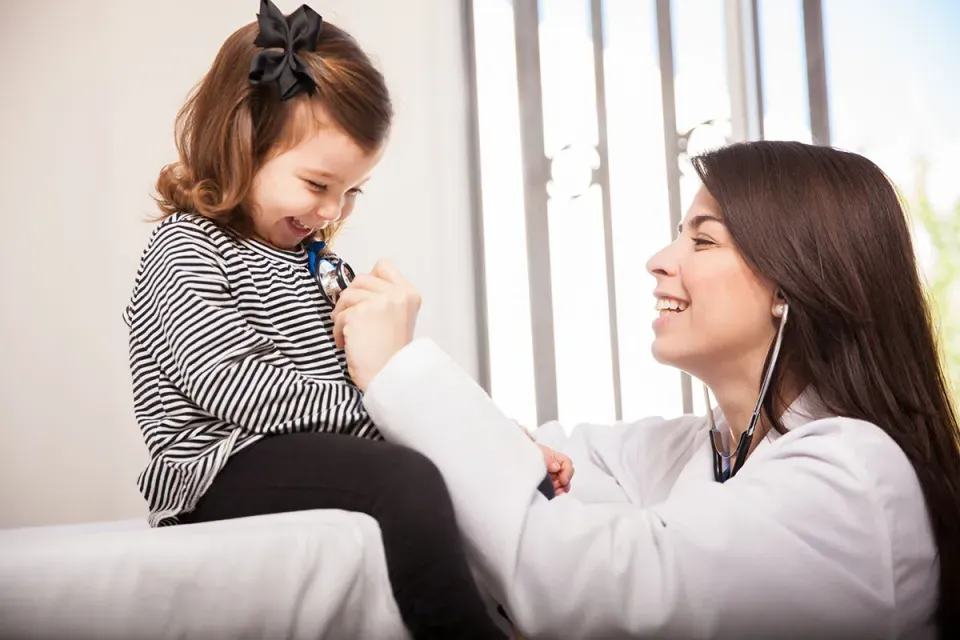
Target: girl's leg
{"x":432,"y":583}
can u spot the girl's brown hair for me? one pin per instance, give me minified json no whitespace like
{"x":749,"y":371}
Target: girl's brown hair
{"x":229,"y":127}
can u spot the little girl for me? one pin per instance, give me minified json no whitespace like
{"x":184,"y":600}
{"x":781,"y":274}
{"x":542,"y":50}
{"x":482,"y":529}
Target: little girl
{"x":239,"y":390}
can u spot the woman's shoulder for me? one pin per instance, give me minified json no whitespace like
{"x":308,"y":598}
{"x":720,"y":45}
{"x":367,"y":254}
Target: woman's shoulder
{"x":866,"y":449}
{"x":853,"y":453}
{"x":858,"y":457}
{"x":863,"y":449}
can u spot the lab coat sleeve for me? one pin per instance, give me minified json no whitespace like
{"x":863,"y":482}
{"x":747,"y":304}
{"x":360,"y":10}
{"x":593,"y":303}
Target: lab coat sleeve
{"x":793,"y":546}
{"x":593,"y":481}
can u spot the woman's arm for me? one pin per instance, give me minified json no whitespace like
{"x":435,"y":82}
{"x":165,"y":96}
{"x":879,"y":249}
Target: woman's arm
{"x":793,"y":547}
{"x":184,"y":313}
{"x":588,"y":445}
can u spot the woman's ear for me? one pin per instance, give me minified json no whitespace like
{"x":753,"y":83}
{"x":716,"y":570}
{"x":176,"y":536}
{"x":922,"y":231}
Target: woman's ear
{"x":780,"y":305}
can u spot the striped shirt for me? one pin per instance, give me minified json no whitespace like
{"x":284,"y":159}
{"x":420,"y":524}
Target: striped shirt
{"x":230,"y":341}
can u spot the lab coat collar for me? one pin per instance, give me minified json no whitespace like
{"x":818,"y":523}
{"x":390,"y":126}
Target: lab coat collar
{"x":807,"y":407}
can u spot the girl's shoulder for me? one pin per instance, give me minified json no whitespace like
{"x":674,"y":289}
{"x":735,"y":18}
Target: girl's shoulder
{"x":183,"y":231}
{"x":191,"y":225}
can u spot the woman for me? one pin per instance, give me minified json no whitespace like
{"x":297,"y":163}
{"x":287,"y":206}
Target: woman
{"x":842,"y":515}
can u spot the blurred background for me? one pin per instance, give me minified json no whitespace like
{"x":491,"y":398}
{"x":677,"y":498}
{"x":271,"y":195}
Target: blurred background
{"x":539,"y":157}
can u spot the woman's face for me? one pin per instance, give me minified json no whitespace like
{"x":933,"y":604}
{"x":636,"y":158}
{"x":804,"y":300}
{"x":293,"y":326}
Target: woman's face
{"x":715,"y":314}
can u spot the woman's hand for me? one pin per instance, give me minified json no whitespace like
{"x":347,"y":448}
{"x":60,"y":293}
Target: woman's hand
{"x":374,"y":319}
{"x":560,"y":468}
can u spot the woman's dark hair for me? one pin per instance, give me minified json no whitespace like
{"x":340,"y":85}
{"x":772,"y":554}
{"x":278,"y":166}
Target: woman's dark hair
{"x":829,"y":229}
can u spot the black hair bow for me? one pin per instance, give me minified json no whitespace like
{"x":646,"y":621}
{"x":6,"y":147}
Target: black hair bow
{"x":291,"y":34}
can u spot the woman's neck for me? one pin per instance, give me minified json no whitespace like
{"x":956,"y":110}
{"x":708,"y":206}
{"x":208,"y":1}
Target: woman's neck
{"x":737,"y":399}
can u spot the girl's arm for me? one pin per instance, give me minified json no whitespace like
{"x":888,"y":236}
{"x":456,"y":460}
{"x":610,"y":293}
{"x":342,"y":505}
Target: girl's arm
{"x":185,"y":314}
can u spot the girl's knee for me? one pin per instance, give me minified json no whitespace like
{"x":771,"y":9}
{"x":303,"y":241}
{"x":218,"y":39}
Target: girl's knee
{"x":411,"y":471}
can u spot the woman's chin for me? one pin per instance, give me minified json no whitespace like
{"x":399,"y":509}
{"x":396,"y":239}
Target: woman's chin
{"x":662,"y":352}
{"x":673,"y":355}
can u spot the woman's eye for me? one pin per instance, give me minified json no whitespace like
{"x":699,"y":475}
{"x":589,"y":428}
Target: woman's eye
{"x":702,"y":242}
{"x":355,"y":192}
{"x":316,"y":186}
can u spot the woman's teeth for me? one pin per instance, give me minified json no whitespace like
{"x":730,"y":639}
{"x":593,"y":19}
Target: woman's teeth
{"x":668,"y":305}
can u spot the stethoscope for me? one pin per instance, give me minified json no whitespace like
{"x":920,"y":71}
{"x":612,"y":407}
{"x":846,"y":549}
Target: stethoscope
{"x":724,"y":466}
{"x":333,"y":275}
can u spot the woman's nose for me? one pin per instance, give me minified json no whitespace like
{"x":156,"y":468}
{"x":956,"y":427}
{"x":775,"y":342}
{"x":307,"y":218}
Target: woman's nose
{"x":663,"y":262}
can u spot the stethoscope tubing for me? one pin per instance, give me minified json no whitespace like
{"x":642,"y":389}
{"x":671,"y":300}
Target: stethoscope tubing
{"x":722,"y":469}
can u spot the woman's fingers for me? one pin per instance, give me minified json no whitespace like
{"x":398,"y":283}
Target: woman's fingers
{"x":375,"y":318}
{"x":350,"y":297}
{"x":370,"y":282}
{"x":339,"y":322}
{"x":385,"y":270}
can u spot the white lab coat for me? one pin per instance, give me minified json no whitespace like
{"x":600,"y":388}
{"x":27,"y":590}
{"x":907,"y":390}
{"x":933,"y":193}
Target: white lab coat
{"x":823,"y":532}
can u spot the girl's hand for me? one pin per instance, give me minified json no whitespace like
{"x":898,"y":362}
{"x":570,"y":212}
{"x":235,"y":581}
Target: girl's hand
{"x":560,"y":468}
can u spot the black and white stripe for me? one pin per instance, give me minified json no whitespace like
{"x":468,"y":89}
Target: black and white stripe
{"x":230,"y":340}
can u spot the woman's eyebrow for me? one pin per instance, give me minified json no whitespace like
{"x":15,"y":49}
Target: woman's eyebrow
{"x":698,"y":220}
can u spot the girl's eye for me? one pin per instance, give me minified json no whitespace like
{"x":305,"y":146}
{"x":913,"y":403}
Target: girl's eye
{"x":355,"y":192}
{"x":316,"y":186}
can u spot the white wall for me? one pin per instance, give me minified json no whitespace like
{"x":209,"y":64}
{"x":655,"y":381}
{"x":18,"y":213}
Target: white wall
{"x":89,"y":98}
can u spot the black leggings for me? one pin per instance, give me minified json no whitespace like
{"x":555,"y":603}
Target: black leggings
{"x":400,"y":488}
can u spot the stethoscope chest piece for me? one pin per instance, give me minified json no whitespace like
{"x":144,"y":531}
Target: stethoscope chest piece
{"x":332,"y":273}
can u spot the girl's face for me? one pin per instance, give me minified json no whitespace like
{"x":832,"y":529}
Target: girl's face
{"x":314,"y":184}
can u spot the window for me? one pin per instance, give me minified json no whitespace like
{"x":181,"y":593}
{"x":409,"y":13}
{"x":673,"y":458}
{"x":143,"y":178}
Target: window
{"x":894,"y":98}
{"x":586,"y":112}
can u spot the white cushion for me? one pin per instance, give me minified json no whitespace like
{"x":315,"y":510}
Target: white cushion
{"x":307,"y":574}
